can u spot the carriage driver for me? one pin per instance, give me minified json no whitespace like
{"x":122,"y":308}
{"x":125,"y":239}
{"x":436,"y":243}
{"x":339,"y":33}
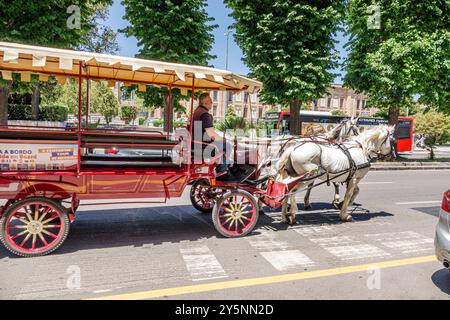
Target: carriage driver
{"x":204,"y":131}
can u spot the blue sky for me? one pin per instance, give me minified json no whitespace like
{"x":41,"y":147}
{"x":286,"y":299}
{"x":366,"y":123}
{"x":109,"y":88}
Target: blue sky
{"x":217,"y":10}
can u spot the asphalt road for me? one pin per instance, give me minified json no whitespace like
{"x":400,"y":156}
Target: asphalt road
{"x":170,"y":251}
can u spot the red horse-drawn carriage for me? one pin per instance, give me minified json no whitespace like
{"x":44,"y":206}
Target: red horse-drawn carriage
{"x":45,"y":171}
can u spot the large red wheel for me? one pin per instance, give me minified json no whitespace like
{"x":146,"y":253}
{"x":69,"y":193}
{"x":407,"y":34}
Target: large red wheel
{"x":34,"y":226}
{"x":235,"y":214}
{"x":203,"y":196}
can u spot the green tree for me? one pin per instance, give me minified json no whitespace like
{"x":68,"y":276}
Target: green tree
{"x":173,"y":31}
{"x":435,"y":126}
{"x":104,"y":101}
{"x":407,"y":53}
{"x":43,"y":22}
{"x":128,"y":113}
{"x":289,"y":46}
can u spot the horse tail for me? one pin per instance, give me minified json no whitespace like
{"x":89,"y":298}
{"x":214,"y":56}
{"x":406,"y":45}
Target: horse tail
{"x":285,"y":157}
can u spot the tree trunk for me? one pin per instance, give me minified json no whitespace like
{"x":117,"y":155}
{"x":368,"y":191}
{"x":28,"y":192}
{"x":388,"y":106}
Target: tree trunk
{"x":394,"y":112}
{"x":168,"y":119}
{"x":35,"y":100}
{"x":4,"y":93}
{"x":431,"y":153}
{"x":294,"y":124}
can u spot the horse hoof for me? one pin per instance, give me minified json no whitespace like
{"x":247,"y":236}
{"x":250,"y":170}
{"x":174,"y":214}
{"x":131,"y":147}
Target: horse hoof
{"x":291,"y":221}
{"x":348,"y":218}
{"x":336,"y":205}
{"x":308,"y":207}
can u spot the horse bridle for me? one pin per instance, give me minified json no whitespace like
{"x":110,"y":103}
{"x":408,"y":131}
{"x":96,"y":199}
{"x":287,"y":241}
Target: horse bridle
{"x":393,"y":145}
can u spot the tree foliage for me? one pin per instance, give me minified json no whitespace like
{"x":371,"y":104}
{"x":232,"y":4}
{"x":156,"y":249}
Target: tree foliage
{"x":288,"y":45}
{"x":435,"y":126}
{"x":409,"y":54}
{"x":128,"y":113}
{"x":43,"y":22}
{"x":173,"y":31}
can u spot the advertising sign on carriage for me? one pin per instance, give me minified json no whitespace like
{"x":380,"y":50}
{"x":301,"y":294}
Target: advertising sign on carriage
{"x":21,"y":156}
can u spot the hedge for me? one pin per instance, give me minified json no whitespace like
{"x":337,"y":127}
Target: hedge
{"x":46,"y":112}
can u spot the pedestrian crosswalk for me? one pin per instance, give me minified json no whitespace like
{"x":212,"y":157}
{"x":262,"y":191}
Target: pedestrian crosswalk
{"x":304,"y":247}
{"x":266,"y":251}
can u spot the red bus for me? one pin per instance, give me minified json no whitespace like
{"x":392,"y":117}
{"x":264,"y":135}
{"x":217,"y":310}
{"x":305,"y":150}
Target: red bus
{"x":317,"y":122}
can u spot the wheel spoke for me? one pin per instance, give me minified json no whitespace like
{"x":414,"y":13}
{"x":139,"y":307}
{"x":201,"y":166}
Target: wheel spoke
{"x":44,"y":214}
{"x":42,"y":238}
{"x":25,"y":240}
{"x":19,"y":234}
{"x":50,"y":234}
{"x":240,"y":220}
{"x":33,"y":242}
{"x":51,"y":226}
{"x":17,"y":227}
{"x":36,"y":211}
{"x":48,"y":220}
{"x":28,"y":216}
{"x":244,"y":217}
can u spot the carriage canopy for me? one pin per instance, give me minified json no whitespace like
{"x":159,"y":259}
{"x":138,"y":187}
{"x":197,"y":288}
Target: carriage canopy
{"x":63,"y":64}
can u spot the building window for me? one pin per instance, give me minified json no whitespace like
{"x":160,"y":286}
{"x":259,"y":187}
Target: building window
{"x":245,"y":97}
{"x":230,"y":97}
{"x":260,"y":113}
{"x":322,"y":102}
{"x":363,"y":104}
{"x":335,"y":103}
{"x":329,"y":103}
{"x":215,"y":95}
{"x":245,"y":112}
{"x":214,"y":110}
{"x":238,"y":97}
{"x":341,"y":104}
{"x":358,"y":104}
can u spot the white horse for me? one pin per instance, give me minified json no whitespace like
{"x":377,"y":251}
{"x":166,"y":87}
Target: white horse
{"x":338,"y":134}
{"x":331,"y":162}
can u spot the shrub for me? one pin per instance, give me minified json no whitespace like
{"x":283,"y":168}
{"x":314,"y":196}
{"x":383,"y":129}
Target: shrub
{"x":53,"y":113}
{"x":19,"y":112}
{"x":157,"y":123}
{"x":128,"y":113}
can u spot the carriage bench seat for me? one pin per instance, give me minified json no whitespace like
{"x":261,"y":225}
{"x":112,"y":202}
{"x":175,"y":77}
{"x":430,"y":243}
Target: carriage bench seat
{"x":95,"y":160}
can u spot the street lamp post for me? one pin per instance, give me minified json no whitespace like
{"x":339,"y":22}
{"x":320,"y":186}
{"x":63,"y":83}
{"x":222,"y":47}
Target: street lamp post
{"x":227,"y":34}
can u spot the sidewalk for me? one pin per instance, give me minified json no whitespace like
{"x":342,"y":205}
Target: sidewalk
{"x":410,"y":165}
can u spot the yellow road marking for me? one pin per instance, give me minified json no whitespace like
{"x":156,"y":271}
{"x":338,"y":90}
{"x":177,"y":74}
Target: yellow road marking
{"x":264,"y":280}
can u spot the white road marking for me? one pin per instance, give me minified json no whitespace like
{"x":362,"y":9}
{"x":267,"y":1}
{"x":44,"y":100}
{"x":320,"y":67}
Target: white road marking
{"x":287,"y":259}
{"x":267,"y":241}
{"x":336,"y":241}
{"x":419,"y":202}
{"x":308,"y":231}
{"x":405,"y":242}
{"x":202,"y":264}
{"x":375,"y":182}
{"x":358,"y":251}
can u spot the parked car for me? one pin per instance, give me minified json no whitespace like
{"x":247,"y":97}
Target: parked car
{"x":442,"y":238}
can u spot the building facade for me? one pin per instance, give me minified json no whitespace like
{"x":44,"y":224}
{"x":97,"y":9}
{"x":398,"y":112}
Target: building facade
{"x":251,"y":108}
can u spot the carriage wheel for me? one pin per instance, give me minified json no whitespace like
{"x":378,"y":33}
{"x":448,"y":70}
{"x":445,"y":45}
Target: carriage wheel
{"x":203,"y":196}
{"x":235,"y":214}
{"x":34,"y":226}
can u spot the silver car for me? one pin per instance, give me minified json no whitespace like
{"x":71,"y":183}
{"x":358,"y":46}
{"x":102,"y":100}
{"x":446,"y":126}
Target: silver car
{"x":442,"y":239}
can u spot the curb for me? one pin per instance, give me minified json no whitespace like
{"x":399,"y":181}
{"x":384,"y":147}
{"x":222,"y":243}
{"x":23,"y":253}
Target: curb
{"x":410,"y":166}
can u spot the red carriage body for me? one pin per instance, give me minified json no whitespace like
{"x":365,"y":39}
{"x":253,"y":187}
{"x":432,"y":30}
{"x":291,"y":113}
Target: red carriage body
{"x":46,"y":171}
